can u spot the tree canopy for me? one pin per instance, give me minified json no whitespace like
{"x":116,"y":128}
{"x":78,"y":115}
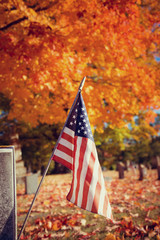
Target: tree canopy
{"x":47,"y":47}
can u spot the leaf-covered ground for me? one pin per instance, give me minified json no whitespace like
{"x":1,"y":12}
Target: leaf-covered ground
{"x":135,"y":205}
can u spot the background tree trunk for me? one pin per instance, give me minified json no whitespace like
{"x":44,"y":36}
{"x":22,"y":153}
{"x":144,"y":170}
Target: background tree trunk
{"x":121,"y":168}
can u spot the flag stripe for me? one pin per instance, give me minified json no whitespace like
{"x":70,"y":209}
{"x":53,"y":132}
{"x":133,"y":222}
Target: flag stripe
{"x":69,"y":131}
{"x":88,"y":180}
{"x":109,"y":210}
{"x":95,"y":205}
{"x":102,"y":195}
{"x":67,"y":137}
{"x":93,"y":183}
{"x":65,"y":150}
{"x":84,"y":171}
{"x":105,"y":206}
{"x":69,"y":196}
{"x":79,"y":141}
{"x":81,"y":157}
{"x":63,"y":155}
{"x":62,"y":161}
{"x":67,"y":144}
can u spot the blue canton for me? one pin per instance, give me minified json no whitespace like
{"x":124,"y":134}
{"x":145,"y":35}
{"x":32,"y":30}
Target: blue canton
{"x":78,"y":120}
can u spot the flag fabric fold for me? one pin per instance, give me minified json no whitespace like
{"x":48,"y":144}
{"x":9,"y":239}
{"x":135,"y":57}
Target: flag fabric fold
{"x":77,"y":151}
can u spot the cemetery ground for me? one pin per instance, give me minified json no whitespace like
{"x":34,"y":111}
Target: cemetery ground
{"x":135,"y":205}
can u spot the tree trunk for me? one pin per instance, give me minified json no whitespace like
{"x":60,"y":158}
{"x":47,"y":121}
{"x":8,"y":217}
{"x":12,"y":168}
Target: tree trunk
{"x":121,"y":167}
{"x":158,"y":169}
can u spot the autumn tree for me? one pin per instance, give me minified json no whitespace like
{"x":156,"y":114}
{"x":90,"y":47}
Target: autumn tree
{"x":47,"y":47}
{"x":140,"y":146}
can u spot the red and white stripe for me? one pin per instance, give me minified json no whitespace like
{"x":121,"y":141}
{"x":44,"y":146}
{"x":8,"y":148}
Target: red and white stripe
{"x":65,"y":149}
{"x":88,"y":187}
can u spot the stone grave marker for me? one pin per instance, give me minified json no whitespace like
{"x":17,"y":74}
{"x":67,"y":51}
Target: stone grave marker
{"x":8,"y":213}
{"x":31,"y":183}
{"x":142,"y":172}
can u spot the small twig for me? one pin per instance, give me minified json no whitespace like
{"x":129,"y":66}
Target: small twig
{"x":13,"y":23}
{"x":25,"y":18}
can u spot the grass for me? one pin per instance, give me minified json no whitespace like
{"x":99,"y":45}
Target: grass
{"x":135,"y":205}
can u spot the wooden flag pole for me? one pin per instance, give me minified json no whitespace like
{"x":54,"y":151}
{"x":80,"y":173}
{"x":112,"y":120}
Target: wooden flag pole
{"x":46,"y":170}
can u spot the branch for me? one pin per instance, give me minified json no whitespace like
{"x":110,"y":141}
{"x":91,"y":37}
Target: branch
{"x":13,"y":23}
{"x":47,"y":7}
{"x":11,"y":9}
{"x":25,"y":18}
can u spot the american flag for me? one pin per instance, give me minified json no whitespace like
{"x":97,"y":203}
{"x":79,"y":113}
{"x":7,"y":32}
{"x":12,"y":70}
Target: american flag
{"x":77,"y":151}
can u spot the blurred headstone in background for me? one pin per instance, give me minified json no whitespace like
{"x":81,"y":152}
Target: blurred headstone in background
{"x":142,"y":172}
{"x":108,"y":179}
{"x":8,"y":218}
{"x":31,"y":183}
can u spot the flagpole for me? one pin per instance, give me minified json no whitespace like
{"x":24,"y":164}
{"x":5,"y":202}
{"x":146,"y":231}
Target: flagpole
{"x":49,"y":162}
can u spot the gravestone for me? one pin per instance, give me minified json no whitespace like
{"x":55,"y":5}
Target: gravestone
{"x":108,"y":179}
{"x":142,"y":172}
{"x":31,"y":183}
{"x":8,"y":219}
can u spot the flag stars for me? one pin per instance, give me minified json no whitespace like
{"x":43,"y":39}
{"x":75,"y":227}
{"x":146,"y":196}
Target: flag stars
{"x":79,"y":121}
